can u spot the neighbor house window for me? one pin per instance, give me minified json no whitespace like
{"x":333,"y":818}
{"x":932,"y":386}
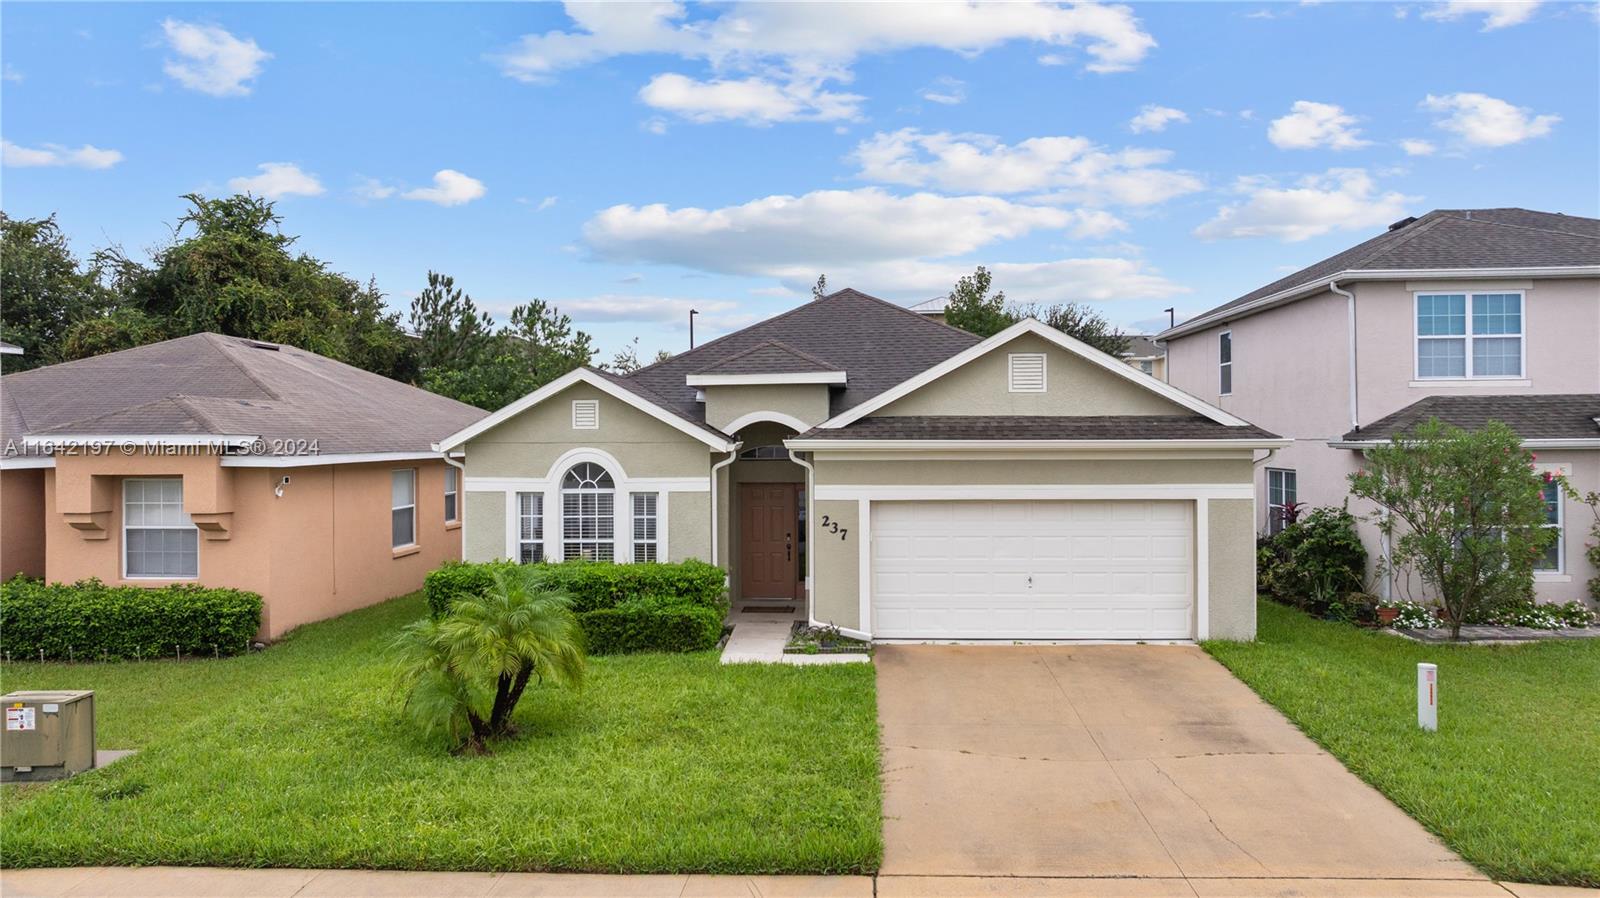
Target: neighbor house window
{"x":452,"y":495}
{"x":403,"y":508}
{"x":1282,"y":492}
{"x":1148,"y":366}
{"x":158,"y":539}
{"x":1469,"y":335}
{"x":530,"y":527}
{"x":1550,"y":561}
{"x":644,"y":527}
{"x":1225,"y":363}
{"x":588,"y":513}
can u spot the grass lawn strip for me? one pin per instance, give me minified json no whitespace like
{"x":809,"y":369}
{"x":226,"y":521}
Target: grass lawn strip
{"x":297,"y":757}
{"x":1511,"y":781}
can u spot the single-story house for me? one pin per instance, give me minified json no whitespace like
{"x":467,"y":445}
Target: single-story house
{"x":901,"y":478}
{"x":229,"y":462}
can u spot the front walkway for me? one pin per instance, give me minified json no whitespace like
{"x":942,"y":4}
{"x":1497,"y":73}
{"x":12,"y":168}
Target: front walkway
{"x":1483,"y":634}
{"x":1123,"y":761}
{"x":761,"y":630}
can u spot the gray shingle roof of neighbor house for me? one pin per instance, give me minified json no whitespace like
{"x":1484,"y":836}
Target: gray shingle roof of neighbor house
{"x":877,"y":343}
{"x":1141,"y":346}
{"x":1565,"y":416}
{"x":1033,"y":427}
{"x":209,"y":384}
{"x":770,"y":357}
{"x":1444,"y":239}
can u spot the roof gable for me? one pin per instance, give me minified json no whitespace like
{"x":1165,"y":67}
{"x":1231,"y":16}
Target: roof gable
{"x":1049,"y":334}
{"x":769,"y":357}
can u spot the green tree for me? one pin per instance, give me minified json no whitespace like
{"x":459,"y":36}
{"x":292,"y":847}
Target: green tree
{"x":538,"y":345}
{"x":1464,"y":509}
{"x":626,"y":359}
{"x":465,"y":673}
{"x":45,"y":290}
{"x":820,"y":288}
{"x":451,"y":331}
{"x":230,"y":269}
{"x":972,"y":309}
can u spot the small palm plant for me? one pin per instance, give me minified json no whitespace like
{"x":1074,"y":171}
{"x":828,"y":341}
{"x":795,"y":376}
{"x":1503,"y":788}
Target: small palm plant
{"x":464,"y":673}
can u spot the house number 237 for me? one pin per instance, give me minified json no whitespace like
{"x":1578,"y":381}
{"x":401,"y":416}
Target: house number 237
{"x":832,"y":526}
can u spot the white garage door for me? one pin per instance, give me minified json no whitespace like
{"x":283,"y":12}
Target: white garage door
{"x":1033,"y":570}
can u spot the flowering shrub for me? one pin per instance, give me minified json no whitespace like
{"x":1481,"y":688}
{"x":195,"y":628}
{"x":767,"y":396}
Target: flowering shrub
{"x":1413,"y":616}
{"x":1539,"y":617}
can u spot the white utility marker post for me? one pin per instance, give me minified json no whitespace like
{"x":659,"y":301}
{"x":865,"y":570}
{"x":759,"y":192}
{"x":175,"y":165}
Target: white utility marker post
{"x":1428,"y":696}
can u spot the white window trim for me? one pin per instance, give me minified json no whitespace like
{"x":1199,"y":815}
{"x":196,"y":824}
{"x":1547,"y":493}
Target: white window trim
{"x":452,"y":476}
{"x":1228,"y":364}
{"x":590,"y":405}
{"x":394,"y":508}
{"x":550,"y":486}
{"x":1417,"y":337}
{"x":633,"y":541}
{"x":1011,"y":372}
{"x":1559,"y":572}
{"x":1270,"y":505}
{"x":514,"y":526}
{"x":124,"y":514}
{"x":617,"y":541}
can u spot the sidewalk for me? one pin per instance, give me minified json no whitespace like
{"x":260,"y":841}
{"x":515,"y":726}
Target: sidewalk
{"x":206,"y":882}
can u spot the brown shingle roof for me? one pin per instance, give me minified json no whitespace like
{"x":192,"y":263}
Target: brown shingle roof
{"x":769,"y":357}
{"x":1562,"y":416}
{"x":1037,"y":427}
{"x":1451,"y":239}
{"x":878,"y":344}
{"x":213,"y":384}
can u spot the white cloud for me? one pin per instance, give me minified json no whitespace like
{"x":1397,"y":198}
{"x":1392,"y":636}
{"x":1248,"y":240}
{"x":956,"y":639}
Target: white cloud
{"x":8,"y":73}
{"x":374,"y":189}
{"x":1417,"y":147}
{"x":545,"y":203}
{"x":1156,"y":118}
{"x":1340,"y":199}
{"x":1309,"y":125}
{"x":1052,"y":59}
{"x":658,"y":309}
{"x":808,"y":37}
{"x":656,"y":126}
{"x":896,"y":245}
{"x":278,"y":180}
{"x":946,"y":90}
{"x":1073,"y":169}
{"x":754,"y":100}
{"x":450,"y":188}
{"x":1496,"y":13}
{"x":55,"y":155}
{"x":1484,"y":121}
{"x":212,"y":60}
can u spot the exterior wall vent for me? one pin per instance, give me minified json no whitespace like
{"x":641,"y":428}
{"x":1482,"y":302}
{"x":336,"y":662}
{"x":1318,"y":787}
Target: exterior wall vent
{"x":585,"y":414}
{"x":1027,"y":372}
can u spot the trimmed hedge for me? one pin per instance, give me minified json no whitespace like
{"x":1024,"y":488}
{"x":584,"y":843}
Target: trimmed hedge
{"x":645,"y":626}
{"x":623,"y":607}
{"x":89,"y":620}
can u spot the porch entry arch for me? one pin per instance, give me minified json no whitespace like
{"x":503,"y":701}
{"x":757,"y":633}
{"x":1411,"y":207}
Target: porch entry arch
{"x":768,"y":518}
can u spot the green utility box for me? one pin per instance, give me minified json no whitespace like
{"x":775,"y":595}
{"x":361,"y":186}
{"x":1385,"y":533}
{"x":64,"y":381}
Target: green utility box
{"x":47,"y":735}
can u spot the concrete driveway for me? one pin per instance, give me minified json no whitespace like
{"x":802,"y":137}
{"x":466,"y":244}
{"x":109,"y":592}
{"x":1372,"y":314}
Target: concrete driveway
{"x":1119,"y":761}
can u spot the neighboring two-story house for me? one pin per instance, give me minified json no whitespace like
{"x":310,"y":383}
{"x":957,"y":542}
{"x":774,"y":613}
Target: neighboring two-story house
{"x":1464,"y":315}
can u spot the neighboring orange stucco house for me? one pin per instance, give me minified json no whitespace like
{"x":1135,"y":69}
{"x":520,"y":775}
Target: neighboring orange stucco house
{"x":229,"y":462}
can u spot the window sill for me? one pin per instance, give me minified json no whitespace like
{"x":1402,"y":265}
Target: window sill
{"x":452,"y":525}
{"x":1431,"y":382}
{"x":1551,"y":577}
{"x":403,"y":551}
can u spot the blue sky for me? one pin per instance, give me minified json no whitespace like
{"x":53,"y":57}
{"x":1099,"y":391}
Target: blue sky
{"x":630,"y":161}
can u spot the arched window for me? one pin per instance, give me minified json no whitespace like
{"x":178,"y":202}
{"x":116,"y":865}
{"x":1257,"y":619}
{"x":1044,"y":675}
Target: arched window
{"x":588,"y":513}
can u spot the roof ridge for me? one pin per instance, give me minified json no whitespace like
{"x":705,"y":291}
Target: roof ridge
{"x":1507,"y":224}
{"x":217,"y":342}
{"x":1402,"y":236}
{"x":899,"y":308}
{"x":778,"y":344}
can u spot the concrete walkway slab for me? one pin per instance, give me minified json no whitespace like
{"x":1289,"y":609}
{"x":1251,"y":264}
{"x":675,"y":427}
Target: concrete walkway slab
{"x":1119,"y":761}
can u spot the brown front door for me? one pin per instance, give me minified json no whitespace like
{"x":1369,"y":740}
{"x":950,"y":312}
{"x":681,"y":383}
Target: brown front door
{"x":767,"y":532}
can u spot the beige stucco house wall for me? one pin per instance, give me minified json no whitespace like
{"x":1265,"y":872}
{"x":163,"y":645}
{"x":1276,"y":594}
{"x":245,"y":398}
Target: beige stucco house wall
{"x":22,"y":522}
{"x":320,"y":549}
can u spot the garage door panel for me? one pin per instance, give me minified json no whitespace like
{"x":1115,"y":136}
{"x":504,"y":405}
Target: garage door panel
{"x":1032,"y":570}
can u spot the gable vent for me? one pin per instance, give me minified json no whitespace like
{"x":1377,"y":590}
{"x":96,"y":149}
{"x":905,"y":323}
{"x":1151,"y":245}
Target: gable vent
{"x":585,"y":414}
{"x":1027,"y":372}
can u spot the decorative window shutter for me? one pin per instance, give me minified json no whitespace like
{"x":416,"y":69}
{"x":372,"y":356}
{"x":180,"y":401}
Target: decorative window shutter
{"x":585,"y":414}
{"x":1027,"y":372}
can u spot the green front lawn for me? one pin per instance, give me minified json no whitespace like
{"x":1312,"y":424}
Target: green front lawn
{"x":296,"y":756}
{"x":1511,"y":780}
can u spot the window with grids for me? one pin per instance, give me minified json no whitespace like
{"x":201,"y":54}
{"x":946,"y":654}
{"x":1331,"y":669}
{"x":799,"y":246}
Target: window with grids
{"x":1550,"y":561}
{"x":644,"y":527}
{"x":1225,"y":363}
{"x":588,"y":513}
{"x":1282,"y":489}
{"x":403,"y":508}
{"x":452,"y":495}
{"x":530,"y":527}
{"x":158,"y":539}
{"x":1469,"y":335}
